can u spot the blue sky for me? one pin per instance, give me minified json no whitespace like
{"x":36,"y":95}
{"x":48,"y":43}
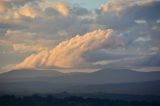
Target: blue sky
{"x":90,"y":4}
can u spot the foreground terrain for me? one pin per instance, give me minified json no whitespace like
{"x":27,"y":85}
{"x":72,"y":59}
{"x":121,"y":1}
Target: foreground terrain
{"x":64,"y":100}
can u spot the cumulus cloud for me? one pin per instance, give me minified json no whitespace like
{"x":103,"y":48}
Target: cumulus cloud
{"x":69,"y":53}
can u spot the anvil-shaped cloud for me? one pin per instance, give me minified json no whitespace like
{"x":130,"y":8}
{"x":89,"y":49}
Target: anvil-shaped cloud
{"x":70,"y":53}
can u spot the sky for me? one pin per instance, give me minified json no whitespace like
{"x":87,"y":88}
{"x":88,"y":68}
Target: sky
{"x":89,"y":4}
{"x":79,"y":34}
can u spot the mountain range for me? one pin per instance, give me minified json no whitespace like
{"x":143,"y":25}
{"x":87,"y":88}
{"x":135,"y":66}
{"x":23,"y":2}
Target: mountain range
{"x":107,"y":80}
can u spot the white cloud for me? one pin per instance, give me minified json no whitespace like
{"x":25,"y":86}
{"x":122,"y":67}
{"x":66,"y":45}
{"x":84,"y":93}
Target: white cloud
{"x":143,"y":39}
{"x":140,"y":21}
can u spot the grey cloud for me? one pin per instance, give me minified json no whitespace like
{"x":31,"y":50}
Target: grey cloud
{"x":151,"y":60}
{"x":148,"y":12}
{"x":103,"y":55}
{"x":112,"y":20}
{"x":124,"y":22}
{"x":126,"y":18}
{"x":79,"y":11}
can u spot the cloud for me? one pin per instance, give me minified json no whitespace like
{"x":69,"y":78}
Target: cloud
{"x":3,"y":7}
{"x":14,"y":10}
{"x":69,"y":53}
{"x":120,"y":5}
{"x":28,"y":25}
{"x":121,"y":14}
{"x":142,"y":39}
{"x":140,"y":21}
{"x":148,"y":60}
{"x":62,"y":8}
{"x":14,"y":34}
{"x":27,"y":11}
{"x":27,"y":48}
{"x":46,"y":18}
{"x":23,"y":42}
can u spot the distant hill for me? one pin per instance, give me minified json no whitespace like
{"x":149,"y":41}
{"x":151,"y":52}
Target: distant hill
{"x":106,"y":80}
{"x":99,"y":77}
{"x":136,"y":88}
{"x":26,"y":74}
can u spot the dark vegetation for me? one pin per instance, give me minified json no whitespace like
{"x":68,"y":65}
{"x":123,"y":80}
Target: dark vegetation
{"x":50,"y":100}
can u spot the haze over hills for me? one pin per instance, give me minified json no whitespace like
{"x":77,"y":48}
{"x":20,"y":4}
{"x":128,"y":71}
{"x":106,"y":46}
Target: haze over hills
{"x":98,"y":77}
{"x":105,"y":80}
{"x":28,"y":73}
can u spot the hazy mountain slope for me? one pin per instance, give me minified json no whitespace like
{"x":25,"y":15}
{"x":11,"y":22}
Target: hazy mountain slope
{"x":105,"y":76}
{"x":137,"y":88}
{"x":25,"y":74}
{"x":140,"y":88}
{"x":106,"y":80}
{"x":98,"y":77}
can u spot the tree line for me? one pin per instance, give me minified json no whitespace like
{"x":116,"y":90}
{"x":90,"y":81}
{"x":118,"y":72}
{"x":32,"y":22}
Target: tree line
{"x":37,"y":100}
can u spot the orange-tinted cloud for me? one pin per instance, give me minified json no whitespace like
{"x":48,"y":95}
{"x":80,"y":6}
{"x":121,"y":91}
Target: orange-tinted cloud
{"x":62,"y":8}
{"x":68,"y":53}
{"x":27,"y":11}
{"x":3,"y":7}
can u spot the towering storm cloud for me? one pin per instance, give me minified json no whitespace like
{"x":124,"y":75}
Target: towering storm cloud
{"x":69,"y":53}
